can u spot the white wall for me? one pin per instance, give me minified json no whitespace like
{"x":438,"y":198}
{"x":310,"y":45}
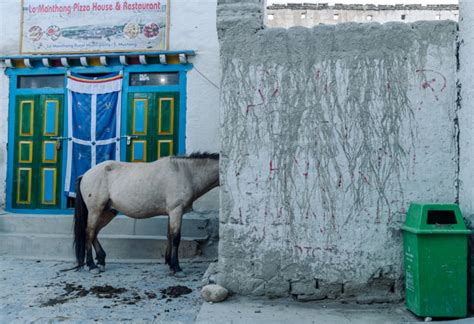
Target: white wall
{"x":292,"y":17}
{"x":192,"y":27}
{"x":9,"y":44}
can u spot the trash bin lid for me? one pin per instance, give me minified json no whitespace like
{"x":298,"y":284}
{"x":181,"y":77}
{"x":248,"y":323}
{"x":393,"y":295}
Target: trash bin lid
{"x":429,"y":218}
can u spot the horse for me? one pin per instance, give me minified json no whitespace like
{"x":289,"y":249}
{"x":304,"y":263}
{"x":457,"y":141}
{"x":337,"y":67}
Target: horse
{"x":168,"y":186}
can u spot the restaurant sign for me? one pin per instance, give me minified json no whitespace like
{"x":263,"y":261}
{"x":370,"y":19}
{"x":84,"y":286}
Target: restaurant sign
{"x":51,"y":26}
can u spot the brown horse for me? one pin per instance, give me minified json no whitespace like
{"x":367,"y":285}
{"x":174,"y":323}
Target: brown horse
{"x":168,"y":186}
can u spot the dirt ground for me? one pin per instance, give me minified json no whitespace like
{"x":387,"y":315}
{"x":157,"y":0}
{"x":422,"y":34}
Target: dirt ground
{"x":37,"y":291}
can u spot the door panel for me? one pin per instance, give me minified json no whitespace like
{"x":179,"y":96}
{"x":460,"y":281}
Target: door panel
{"x":37,"y":158}
{"x":152,"y":125}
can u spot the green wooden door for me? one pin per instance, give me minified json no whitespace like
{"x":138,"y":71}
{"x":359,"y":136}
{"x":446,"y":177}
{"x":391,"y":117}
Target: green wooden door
{"x":37,"y":158}
{"x":152,"y":125}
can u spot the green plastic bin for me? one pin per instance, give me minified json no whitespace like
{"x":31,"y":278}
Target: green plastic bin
{"x":435,"y":259}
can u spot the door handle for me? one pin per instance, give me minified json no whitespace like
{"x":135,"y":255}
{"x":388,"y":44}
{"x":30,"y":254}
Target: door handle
{"x":129,"y":138}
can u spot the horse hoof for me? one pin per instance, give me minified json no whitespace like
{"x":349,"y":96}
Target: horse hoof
{"x":101,"y":267}
{"x":179,"y":274}
{"x":94,"y":270}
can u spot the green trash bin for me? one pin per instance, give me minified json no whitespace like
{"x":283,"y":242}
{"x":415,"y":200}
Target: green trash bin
{"x":435,"y":260}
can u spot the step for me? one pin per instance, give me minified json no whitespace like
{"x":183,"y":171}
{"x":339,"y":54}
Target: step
{"x":51,"y":236}
{"x":59,"y":246}
{"x":194,"y":225}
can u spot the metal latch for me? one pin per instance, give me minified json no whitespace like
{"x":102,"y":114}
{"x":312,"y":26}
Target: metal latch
{"x":58,"y":140}
{"x":129,"y":138}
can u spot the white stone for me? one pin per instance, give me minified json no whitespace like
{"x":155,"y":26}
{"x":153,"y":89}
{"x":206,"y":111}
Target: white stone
{"x":214,"y":293}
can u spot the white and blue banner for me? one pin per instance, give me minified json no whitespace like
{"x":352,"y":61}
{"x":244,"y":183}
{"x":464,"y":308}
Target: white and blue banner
{"x":94,"y":106}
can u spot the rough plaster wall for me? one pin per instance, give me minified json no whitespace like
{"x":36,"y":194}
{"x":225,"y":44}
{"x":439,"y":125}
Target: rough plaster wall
{"x":466,"y":49}
{"x":466,"y":106}
{"x":328,"y":134}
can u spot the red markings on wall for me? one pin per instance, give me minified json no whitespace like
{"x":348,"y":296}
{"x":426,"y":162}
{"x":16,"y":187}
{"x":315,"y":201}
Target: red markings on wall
{"x":271,"y":167}
{"x":241,"y":220}
{"x":311,"y":251}
{"x":263,"y":91}
{"x":248,"y":108}
{"x":430,"y":81}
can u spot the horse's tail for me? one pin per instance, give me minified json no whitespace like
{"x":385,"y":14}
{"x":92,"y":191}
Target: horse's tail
{"x":80,"y":225}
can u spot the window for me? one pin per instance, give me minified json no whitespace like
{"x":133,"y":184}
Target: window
{"x":154,"y":79}
{"x":336,"y":16}
{"x":41,"y":81}
{"x":404,"y":17}
{"x":370,"y":17}
{"x":270,"y":17}
{"x":303,"y":15}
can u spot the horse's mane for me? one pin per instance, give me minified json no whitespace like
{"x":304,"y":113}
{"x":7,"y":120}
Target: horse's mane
{"x":200,"y":155}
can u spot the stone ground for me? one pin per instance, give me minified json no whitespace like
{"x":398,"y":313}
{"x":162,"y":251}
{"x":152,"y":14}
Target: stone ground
{"x":246,"y":310}
{"x":36,"y":291}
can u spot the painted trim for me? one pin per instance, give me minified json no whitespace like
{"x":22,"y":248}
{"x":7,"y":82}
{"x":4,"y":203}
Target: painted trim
{"x":28,"y":201}
{"x":32,"y":117}
{"x":43,"y":185}
{"x":11,"y":136}
{"x":66,"y":145}
{"x":145,"y":116}
{"x":66,"y":211}
{"x":43,"y":91}
{"x":174,"y":88}
{"x":30,"y":152}
{"x":171,"y":100}
{"x":58,"y":56}
{"x":45,"y":117}
{"x":133,"y":151}
{"x":124,"y":122}
{"x":100,"y":69}
{"x":55,"y":159}
{"x":170,"y":142}
{"x":182,"y":113}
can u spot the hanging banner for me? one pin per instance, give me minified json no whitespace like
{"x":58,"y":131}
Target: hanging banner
{"x":93,"y":124}
{"x":82,"y":26}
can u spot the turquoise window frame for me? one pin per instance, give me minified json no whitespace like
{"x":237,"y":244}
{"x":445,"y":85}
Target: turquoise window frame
{"x":14,"y":73}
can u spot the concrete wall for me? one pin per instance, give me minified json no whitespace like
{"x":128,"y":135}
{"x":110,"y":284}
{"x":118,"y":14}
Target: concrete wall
{"x":328,"y":134}
{"x":308,"y":15}
{"x":193,"y":26}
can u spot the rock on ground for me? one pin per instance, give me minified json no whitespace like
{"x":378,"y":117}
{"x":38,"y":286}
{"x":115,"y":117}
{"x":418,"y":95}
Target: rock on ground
{"x":214,"y":293}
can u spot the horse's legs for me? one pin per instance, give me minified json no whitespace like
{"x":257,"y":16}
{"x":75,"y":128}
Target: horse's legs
{"x":90,"y":237}
{"x":89,"y":259}
{"x":168,"y":246}
{"x":104,"y":219}
{"x":174,"y":237}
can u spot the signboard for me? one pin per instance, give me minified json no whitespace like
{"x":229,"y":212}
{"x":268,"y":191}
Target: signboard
{"x":82,"y":26}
